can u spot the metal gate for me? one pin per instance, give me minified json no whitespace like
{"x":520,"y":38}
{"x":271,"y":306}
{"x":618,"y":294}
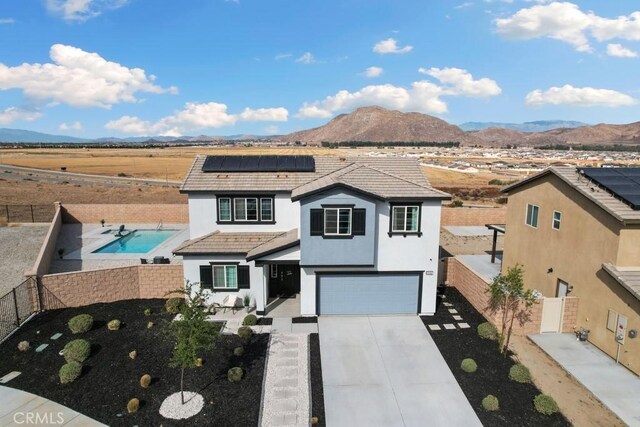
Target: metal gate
{"x":552,"y":313}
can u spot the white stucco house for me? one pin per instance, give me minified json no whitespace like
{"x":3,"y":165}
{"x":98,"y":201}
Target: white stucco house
{"x":345,"y":235}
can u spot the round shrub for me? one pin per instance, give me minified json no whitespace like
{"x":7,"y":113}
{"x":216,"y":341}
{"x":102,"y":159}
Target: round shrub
{"x":24,"y":346}
{"x":238,"y":351}
{"x":490,"y":403}
{"x":81,"y":323}
{"x":520,"y":373}
{"x":250,"y":320}
{"x":70,"y":372}
{"x":545,"y":404}
{"x":235,"y":374}
{"x":245,"y":332}
{"x":198,"y":362}
{"x":113,"y":325}
{"x":487,"y":331}
{"x":145,"y":381}
{"x":77,"y":351}
{"x":147,"y":312}
{"x":133,"y":405}
{"x":149,"y":325}
{"x":173,"y":305}
{"x":469,"y":365}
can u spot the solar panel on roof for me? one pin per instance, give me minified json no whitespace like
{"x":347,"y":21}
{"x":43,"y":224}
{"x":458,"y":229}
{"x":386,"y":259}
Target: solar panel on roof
{"x":623,"y":183}
{"x":259,"y":164}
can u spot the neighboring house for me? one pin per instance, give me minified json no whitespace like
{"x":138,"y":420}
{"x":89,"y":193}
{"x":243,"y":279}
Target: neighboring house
{"x":345,"y":235}
{"x":577,"y":232}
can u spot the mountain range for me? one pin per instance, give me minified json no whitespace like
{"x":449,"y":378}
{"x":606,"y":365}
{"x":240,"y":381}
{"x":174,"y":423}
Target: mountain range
{"x":537,"y":126}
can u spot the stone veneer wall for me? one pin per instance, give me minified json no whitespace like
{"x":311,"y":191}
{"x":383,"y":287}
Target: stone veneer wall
{"x":112,"y":284}
{"x":131,"y":213}
{"x":473,"y":288}
{"x":473,"y":216}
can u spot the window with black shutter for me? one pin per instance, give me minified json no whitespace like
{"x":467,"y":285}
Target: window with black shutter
{"x":243,"y":277}
{"x":206,"y":277}
{"x":359,"y":222}
{"x":317,"y":222}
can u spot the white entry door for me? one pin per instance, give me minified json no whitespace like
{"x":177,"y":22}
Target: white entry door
{"x":552,"y":311}
{"x":562,"y":289}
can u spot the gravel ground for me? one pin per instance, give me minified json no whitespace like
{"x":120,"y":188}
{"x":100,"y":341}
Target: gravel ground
{"x":19,"y":247}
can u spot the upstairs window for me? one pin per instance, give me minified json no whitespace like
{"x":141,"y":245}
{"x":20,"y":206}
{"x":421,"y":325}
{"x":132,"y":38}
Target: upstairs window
{"x":338,"y":221}
{"x":405,"y":219}
{"x":266,"y":209}
{"x":224,"y":209}
{"x":532,"y":215}
{"x":557,"y":217}
{"x":245,"y":210}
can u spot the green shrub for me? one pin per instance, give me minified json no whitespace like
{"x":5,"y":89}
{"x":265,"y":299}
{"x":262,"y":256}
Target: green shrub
{"x":520,"y":373}
{"x":490,"y":403}
{"x":145,"y":381}
{"x":70,"y":372}
{"x":487,"y":331}
{"x":77,"y":351}
{"x":545,"y":404}
{"x":250,"y":320}
{"x":496,"y":182}
{"x":245,"y":332}
{"x":149,"y":325}
{"x":238,"y":351}
{"x":173,"y":305}
{"x":81,"y":323}
{"x":456,"y":204}
{"x":469,"y":365}
{"x":147,"y":312}
{"x":133,"y":405}
{"x":235,"y":374}
{"x":113,"y":325}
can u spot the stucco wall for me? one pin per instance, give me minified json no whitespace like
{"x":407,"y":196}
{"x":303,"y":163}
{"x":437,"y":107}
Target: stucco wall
{"x":47,"y":250}
{"x":132,"y":213}
{"x":473,"y":216}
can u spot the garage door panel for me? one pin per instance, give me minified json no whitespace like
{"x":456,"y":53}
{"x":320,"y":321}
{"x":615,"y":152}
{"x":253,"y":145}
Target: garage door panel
{"x":369,"y":294}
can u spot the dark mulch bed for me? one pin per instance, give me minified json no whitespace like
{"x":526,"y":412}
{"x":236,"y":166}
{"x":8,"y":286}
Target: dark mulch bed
{"x":265,"y":321}
{"x":492,"y":376}
{"x":315,"y":372}
{"x":306,"y":319}
{"x":110,"y":378}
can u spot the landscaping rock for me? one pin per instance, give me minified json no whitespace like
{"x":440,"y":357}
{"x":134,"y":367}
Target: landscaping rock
{"x":173,"y":408}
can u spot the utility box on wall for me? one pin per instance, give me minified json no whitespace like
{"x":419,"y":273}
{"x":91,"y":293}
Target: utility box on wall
{"x":621,"y":330}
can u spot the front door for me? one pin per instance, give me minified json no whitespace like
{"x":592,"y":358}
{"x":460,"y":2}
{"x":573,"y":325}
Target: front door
{"x":562,"y":289}
{"x":284,"y":280}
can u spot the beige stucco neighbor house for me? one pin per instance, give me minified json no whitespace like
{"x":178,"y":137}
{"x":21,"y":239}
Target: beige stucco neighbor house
{"x":576,"y":237}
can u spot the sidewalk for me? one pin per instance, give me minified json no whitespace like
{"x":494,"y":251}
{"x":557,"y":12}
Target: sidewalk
{"x":19,"y":408}
{"x":613,"y":385}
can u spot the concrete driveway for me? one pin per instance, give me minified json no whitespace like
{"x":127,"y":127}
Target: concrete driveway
{"x":387,"y":371}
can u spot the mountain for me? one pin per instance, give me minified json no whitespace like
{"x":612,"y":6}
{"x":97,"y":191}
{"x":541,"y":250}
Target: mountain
{"x":377,"y":124}
{"x":536,"y":126}
{"x":20,"y":135}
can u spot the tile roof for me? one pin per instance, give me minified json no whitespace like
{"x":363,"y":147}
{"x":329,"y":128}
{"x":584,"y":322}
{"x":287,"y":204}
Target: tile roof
{"x":224,"y":243}
{"x":605,"y":200}
{"x":284,"y":241}
{"x":382,"y":177}
{"x":628,"y":277}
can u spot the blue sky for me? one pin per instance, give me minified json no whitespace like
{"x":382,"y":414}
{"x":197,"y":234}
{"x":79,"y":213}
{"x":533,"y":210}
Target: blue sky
{"x":140,"y":67}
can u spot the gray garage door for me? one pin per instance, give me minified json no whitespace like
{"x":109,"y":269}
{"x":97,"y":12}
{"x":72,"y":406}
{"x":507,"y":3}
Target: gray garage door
{"x":368,"y":294}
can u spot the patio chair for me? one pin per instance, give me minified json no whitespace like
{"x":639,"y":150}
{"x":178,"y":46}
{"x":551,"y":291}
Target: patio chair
{"x":230,"y":302}
{"x":144,"y":261}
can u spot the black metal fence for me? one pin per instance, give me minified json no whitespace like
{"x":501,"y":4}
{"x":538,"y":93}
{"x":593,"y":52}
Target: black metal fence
{"x":17,"y":306}
{"x":27,"y":213}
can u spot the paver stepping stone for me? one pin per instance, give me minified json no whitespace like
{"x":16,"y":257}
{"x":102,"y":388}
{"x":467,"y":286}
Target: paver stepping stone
{"x":453,"y":311}
{"x":9,"y":377}
{"x":435,"y":327}
{"x":456,"y":317}
{"x":449,"y":326}
{"x":463,"y":325}
{"x":41,"y":347}
{"x":447,"y":304}
{"x":56,"y":336}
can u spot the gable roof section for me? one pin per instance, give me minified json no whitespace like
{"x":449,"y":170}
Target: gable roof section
{"x":602,"y":198}
{"x":224,"y":243}
{"x":628,"y":277}
{"x":284,"y":241}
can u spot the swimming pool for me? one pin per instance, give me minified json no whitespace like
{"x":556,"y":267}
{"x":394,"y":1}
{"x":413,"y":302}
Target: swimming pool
{"x":136,"y":242}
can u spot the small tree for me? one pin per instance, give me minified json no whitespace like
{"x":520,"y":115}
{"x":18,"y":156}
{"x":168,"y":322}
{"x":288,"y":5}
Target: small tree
{"x":508,"y":295}
{"x":192,"y":332}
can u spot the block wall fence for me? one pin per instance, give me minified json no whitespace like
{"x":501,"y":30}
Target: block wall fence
{"x":473,"y":216}
{"x":131,"y":213}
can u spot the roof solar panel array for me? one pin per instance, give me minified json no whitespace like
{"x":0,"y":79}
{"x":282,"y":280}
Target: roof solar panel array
{"x":259,"y":164}
{"x":624,"y":183}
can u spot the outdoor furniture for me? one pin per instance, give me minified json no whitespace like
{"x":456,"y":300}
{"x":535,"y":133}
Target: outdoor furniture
{"x":143,"y":261}
{"x":228,"y":303}
{"x":161,"y":260}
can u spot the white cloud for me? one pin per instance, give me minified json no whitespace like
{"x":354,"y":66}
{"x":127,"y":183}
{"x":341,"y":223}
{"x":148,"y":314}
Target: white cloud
{"x":79,"y":79}
{"x":373,"y":72}
{"x":195,"y":116}
{"x":82,"y":10}
{"x":306,"y":58}
{"x":464,"y":5}
{"x":390,"y":45}
{"x":72,"y":126}
{"x":579,"y":97}
{"x":7,"y":21}
{"x":14,"y":114}
{"x":422,"y":96}
{"x":282,"y":56}
{"x":565,"y":21}
{"x":615,"y":49}
{"x":459,"y":82}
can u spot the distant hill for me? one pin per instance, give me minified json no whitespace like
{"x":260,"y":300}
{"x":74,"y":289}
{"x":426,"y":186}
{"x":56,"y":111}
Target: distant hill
{"x":20,"y":135}
{"x":537,"y":126}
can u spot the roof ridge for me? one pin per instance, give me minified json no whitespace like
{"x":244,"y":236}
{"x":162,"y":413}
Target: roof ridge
{"x":193,"y":165}
{"x":323,"y":176}
{"x":284,"y":233}
{"x":399,"y":177}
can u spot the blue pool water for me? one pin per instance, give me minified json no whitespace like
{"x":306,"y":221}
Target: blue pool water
{"x":136,"y":242}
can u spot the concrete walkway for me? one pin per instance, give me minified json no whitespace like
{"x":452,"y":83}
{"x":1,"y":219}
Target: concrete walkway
{"x":613,"y":385}
{"x":387,"y":371}
{"x":19,"y":408}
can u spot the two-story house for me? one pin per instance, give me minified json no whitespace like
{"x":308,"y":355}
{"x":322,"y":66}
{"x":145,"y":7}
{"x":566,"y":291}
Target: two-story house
{"x":345,"y":235}
{"x":577,"y":233}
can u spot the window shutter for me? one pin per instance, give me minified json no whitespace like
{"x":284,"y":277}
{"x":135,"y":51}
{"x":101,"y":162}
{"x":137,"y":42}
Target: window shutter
{"x":359,"y":222}
{"x":243,"y":277}
{"x":317,"y":219}
{"x":206,"y":277}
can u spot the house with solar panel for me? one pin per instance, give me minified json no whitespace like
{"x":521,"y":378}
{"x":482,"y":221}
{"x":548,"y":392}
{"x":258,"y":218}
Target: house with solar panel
{"x":336,"y":235}
{"x":576,"y":231}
